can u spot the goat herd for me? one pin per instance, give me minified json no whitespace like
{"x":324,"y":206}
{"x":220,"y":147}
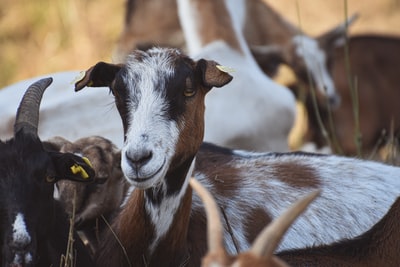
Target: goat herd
{"x":159,"y":174}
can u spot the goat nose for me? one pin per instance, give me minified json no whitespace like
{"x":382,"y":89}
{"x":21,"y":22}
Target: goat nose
{"x":139,"y":158}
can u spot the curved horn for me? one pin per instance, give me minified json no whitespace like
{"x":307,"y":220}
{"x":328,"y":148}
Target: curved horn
{"x":267,"y":241}
{"x":28,"y":111}
{"x":214,"y":227}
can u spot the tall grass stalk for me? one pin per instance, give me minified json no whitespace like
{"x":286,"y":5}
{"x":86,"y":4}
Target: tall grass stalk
{"x":353,"y":85}
{"x":68,"y":260}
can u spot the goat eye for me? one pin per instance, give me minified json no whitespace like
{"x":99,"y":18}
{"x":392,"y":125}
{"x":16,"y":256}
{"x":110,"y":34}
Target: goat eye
{"x":189,"y":88}
{"x":189,"y":92}
{"x":50,"y":179}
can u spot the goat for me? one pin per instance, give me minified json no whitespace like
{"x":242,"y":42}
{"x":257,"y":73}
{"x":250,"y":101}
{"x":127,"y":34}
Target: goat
{"x":264,"y":30}
{"x":374,"y":76}
{"x":378,"y":246}
{"x":96,"y":201}
{"x":34,"y":228}
{"x":63,"y":112}
{"x":261,"y":112}
{"x":160,"y":97}
{"x":261,"y":253}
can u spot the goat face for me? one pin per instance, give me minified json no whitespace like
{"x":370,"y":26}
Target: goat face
{"x":160,"y":97}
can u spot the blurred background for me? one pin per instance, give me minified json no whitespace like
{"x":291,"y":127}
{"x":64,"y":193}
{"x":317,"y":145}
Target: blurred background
{"x":44,"y":36}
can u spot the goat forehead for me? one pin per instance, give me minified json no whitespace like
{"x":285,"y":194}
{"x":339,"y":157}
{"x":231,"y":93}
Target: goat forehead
{"x":152,"y":83}
{"x":307,"y":47}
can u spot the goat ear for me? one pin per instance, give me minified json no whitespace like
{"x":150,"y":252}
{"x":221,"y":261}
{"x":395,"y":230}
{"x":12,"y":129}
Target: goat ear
{"x":71,"y":167}
{"x":268,"y":57}
{"x":211,"y":74}
{"x":336,"y":37}
{"x":101,"y":74}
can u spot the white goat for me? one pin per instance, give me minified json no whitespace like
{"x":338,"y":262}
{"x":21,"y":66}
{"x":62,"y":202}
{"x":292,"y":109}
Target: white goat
{"x":160,"y":96}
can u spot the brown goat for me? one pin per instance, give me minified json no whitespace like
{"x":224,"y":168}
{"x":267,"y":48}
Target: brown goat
{"x":373,"y":71}
{"x":100,"y":199}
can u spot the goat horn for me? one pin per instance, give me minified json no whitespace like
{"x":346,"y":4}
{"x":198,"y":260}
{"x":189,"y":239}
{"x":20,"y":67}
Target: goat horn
{"x":214,"y":227}
{"x":269,"y":238}
{"x":27,"y":117}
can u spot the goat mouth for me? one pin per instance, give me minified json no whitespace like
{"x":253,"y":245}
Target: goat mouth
{"x":144,"y":182}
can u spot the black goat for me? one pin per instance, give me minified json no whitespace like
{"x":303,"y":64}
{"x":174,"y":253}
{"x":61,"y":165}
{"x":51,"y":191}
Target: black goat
{"x":34,"y":229}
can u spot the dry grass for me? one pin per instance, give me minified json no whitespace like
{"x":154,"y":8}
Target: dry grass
{"x":44,"y":36}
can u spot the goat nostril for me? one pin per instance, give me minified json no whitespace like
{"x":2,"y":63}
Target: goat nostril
{"x":140,"y":158}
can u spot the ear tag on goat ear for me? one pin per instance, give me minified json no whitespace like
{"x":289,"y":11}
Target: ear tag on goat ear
{"x":79,"y":78}
{"x":78,"y":169}
{"x":225,"y":69}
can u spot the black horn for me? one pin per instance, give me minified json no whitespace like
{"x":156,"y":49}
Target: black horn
{"x":28,"y":111}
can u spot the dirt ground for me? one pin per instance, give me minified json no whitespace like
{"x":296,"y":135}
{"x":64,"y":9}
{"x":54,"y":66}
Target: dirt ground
{"x":44,"y":36}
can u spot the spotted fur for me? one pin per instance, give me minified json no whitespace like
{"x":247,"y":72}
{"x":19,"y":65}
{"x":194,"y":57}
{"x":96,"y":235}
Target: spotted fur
{"x":165,"y":223}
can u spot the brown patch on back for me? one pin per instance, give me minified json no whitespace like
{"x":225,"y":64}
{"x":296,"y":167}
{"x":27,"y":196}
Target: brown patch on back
{"x":296,"y":175}
{"x":216,"y":23}
{"x":256,"y":222}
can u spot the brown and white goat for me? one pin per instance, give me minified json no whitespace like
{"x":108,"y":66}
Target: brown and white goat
{"x":261,"y":253}
{"x":379,"y":246}
{"x":160,"y":96}
{"x":261,"y":112}
{"x":96,"y":201}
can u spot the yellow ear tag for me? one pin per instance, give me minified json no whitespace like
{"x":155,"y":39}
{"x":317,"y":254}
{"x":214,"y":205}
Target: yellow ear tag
{"x":225,"y":69}
{"x":78,"y":169}
{"x":79,"y":78}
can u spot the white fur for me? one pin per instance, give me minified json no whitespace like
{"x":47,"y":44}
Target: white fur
{"x":150,"y":130}
{"x":63,"y":111}
{"x":20,"y":233}
{"x":162,"y":215}
{"x":355,"y":195}
{"x":315,"y":60}
{"x":22,"y":239}
{"x":251,"y":112}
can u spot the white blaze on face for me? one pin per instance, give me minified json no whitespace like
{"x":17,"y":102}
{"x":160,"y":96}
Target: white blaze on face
{"x":315,"y":61}
{"x":20,"y":233}
{"x":21,"y":238}
{"x":150,"y":128}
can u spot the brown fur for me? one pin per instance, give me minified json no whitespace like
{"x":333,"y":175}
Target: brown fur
{"x":296,"y":175}
{"x":149,"y":22}
{"x":374,"y":64}
{"x":213,"y":13}
{"x":155,"y":22}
